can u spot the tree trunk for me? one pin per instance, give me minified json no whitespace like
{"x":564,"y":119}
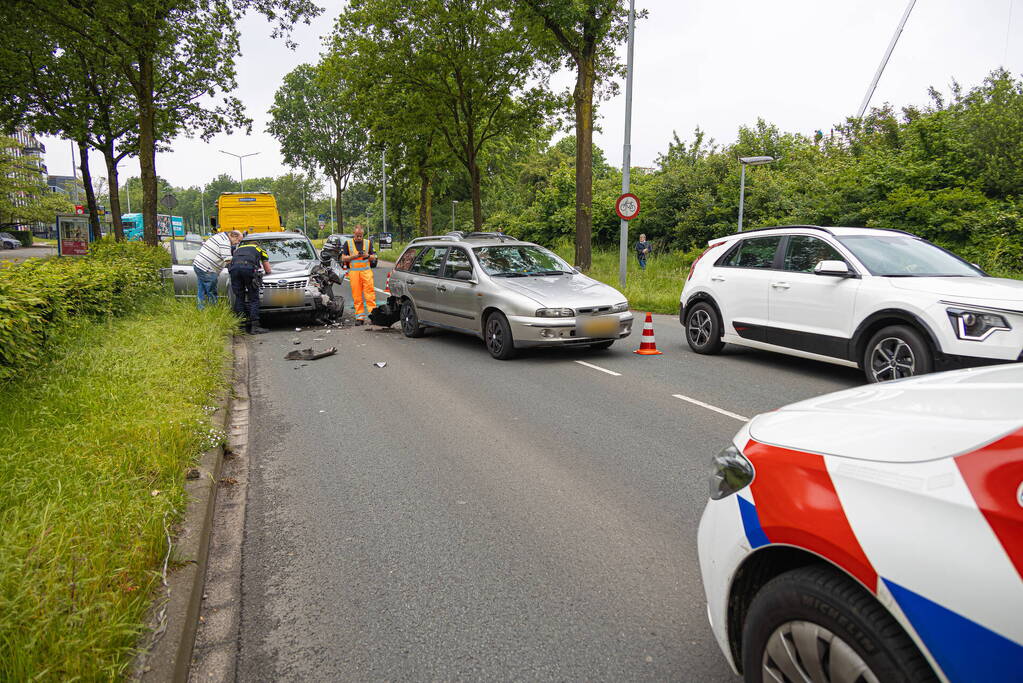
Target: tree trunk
{"x":583,"y":97}
{"x":147,"y":148}
{"x":114,"y":190}
{"x":340,"y":214}
{"x":425,"y":204}
{"x":90,"y":193}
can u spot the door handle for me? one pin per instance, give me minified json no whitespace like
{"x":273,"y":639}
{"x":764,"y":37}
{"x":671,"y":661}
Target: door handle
{"x":717,"y":278}
{"x":441,"y":288}
{"x":179,"y":272}
{"x":780,"y":285}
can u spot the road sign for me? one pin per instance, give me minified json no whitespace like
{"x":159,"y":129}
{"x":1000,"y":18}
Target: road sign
{"x":627,"y":206}
{"x":79,"y":210}
{"x":169,"y":201}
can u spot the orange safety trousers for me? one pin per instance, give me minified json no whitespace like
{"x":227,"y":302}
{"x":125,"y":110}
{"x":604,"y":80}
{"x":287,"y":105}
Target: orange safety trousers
{"x":363,"y":294}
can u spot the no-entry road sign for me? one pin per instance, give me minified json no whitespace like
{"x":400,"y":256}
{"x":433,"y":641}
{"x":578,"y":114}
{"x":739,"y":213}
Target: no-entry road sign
{"x":627,"y":206}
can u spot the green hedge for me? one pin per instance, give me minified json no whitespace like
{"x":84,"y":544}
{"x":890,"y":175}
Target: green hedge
{"x":39,"y":295}
{"x":24,"y":236}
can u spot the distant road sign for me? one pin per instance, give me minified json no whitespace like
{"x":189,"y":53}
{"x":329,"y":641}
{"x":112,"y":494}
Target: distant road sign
{"x":169,"y":201}
{"x":627,"y":206}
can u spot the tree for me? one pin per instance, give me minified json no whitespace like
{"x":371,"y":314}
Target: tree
{"x":312,"y":120}
{"x":24,"y":197}
{"x":459,"y":66}
{"x":584,"y":33}
{"x":176,"y":55}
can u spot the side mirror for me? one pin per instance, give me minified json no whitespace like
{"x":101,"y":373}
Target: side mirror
{"x":463,"y":275}
{"x":833,"y":268}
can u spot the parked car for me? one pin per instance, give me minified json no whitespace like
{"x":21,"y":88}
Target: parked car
{"x":285,"y":290}
{"x":873,"y":535}
{"x":885,"y":301}
{"x":9,"y":241}
{"x":511,"y":294}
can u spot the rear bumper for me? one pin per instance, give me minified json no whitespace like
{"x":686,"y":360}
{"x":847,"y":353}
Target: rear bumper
{"x":528,"y":331}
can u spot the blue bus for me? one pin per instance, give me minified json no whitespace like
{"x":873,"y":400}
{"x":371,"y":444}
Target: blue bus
{"x":171,"y":227}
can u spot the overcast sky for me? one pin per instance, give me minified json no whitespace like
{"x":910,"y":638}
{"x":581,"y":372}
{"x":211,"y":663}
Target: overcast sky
{"x":800,"y":64}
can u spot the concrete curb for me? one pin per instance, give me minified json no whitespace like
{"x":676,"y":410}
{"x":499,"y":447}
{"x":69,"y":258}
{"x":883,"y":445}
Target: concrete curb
{"x":166,"y":651}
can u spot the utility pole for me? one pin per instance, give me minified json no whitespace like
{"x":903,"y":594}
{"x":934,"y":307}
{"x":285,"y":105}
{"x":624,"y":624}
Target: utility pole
{"x":623,"y":238}
{"x":383,"y":165}
{"x":305,"y":229}
{"x":330,"y":194}
{"x":202,"y":204}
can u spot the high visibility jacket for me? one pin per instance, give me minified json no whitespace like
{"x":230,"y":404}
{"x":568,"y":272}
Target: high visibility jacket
{"x":248,"y":256}
{"x":359,"y":262}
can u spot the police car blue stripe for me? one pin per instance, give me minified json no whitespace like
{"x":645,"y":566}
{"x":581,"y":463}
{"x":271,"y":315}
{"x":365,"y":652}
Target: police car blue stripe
{"x":965,"y":650}
{"x":751,"y":523}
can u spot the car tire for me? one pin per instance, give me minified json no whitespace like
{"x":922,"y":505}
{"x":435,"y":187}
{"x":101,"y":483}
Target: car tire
{"x":410,"y":326}
{"x":814,"y":619}
{"x":602,"y":346}
{"x":497,"y":335}
{"x":703,"y":328}
{"x":895,"y":352}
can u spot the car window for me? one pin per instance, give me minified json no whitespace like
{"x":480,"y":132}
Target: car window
{"x":805,"y":252}
{"x":756,"y":252}
{"x":905,"y":256}
{"x":285,"y":249}
{"x":429,"y":261}
{"x":458,"y":260}
{"x":405,"y":262}
{"x":184,"y":252}
{"x":520,"y":260}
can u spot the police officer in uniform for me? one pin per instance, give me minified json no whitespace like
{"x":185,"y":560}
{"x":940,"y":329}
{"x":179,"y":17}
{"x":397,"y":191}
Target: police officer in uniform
{"x":248,"y":263}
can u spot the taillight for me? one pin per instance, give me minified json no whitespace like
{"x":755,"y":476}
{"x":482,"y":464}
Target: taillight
{"x":693,"y":266}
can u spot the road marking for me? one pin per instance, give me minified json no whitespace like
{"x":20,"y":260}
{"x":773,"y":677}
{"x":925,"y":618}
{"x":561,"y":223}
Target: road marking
{"x":708,"y":406}
{"x":381,"y":291}
{"x":597,"y":367}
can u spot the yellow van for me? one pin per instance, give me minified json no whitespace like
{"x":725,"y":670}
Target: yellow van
{"x":247,"y":212}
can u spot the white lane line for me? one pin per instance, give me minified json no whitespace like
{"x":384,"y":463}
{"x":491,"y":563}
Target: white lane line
{"x":380,"y":290}
{"x":710,"y":407}
{"x":597,"y":367}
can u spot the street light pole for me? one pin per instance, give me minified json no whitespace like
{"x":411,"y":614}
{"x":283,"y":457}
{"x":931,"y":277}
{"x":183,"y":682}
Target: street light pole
{"x":744,"y":162}
{"x":623,"y":237}
{"x":241,"y":175}
{"x":383,"y":166}
{"x":202,"y":204}
{"x":453,"y":203}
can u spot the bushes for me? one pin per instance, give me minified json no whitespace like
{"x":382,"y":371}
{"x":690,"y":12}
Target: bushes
{"x":24,"y":236}
{"x":40,"y":295}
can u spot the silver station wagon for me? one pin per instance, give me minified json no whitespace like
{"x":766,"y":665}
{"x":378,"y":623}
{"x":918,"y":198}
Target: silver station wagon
{"x":511,"y":294}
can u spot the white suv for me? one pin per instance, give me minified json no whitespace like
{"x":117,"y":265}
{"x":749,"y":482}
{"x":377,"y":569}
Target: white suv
{"x":882,"y":300}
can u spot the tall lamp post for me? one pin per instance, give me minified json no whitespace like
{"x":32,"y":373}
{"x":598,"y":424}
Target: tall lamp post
{"x":744,"y":162}
{"x":454,"y":202}
{"x":239,"y":157}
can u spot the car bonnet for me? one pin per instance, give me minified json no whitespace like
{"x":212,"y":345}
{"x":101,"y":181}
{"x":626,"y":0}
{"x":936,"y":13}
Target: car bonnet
{"x":557,"y":291}
{"x":913,"y":420}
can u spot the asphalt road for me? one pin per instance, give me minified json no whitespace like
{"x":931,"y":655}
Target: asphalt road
{"x":450,"y":516}
{"x":25,"y":253}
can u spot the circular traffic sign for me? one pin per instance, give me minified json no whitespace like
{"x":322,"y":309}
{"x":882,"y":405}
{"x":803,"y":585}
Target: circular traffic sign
{"x":627,"y":206}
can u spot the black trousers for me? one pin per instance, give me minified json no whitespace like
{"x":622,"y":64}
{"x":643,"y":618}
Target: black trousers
{"x":245,"y":287}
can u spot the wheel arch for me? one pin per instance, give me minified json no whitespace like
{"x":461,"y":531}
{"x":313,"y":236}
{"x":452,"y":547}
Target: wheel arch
{"x":702,"y":297}
{"x":883,"y":318}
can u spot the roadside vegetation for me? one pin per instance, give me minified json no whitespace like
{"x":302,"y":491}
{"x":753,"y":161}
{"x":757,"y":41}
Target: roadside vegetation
{"x":106,"y":385}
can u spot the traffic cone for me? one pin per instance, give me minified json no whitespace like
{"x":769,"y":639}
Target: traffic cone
{"x":649,"y":346}
{"x":387,"y":287}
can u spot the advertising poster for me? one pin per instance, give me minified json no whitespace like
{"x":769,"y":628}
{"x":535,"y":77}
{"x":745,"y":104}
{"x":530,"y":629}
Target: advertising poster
{"x":72,"y":235}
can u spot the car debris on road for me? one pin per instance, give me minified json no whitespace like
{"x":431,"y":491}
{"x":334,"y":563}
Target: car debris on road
{"x":309,"y":354}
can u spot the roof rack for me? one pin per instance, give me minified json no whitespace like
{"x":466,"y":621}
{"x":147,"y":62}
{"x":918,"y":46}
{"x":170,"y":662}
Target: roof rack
{"x":428,"y":238}
{"x":781,"y":227}
{"x":489,"y":235}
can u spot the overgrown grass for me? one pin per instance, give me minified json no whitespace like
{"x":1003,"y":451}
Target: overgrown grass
{"x":654,"y":290}
{"x":94,"y":444}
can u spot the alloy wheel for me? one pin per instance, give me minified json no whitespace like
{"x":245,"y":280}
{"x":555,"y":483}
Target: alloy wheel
{"x":892,"y":358}
{"x":495,"y":336}
{"x":699,"y":328}
{"x":804,"y":652}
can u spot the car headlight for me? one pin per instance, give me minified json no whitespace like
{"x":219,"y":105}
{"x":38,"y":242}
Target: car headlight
{"x":730,"y":471}
{"x":554,"y":313}
{"x":976,"y":325}
{"x":620,"y":308}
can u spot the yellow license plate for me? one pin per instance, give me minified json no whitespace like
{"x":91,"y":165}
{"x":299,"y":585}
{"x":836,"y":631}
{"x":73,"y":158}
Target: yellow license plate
{"x":598,"y":327}
{"x":283,"y":299}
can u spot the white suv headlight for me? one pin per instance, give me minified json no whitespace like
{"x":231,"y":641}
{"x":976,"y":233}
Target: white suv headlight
{"x":620,"y":308}
{"x":976,"y":325}
{"x":554,"y":313}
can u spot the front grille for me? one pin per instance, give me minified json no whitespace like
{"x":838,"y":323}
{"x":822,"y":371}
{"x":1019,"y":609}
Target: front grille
{"x":294,"y":284}
{"x":593,"y":310}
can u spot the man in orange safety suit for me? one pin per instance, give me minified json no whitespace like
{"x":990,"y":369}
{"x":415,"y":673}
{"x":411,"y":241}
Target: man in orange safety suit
{"x":358,"y":254}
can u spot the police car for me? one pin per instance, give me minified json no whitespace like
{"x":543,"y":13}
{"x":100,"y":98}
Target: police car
{"x":873,"y":535}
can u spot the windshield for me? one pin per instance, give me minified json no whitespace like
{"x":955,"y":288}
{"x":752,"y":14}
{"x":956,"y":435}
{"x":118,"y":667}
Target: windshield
{"x":903,"y":256}
{"x":287,"y":249}
{"x":520,"y":261}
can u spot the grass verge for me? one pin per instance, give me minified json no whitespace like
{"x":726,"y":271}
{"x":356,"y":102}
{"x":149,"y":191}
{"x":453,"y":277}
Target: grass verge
{"x":94,"y":443}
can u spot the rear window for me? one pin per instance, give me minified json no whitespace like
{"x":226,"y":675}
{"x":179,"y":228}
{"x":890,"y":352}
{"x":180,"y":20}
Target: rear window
{"x":405,"y":262}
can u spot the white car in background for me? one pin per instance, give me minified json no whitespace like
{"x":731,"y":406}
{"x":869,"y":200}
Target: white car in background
{"x":873,"y":535}
{"x":886,"y":301}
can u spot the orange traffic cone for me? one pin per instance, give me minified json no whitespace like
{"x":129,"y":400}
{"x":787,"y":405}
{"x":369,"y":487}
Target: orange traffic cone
{"x":649,"y":346}
{"x":387,"y":287}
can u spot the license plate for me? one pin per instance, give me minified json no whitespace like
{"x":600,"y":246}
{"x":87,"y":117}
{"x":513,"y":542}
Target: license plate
{"x":597,"y":327}
{"x":283,"y":299}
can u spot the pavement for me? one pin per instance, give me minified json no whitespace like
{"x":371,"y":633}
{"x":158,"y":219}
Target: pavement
{"x":25,"y":253}
{"x":450,"y":516}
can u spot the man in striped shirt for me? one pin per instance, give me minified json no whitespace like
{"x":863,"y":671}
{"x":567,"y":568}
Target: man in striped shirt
{"x":208,"y":263}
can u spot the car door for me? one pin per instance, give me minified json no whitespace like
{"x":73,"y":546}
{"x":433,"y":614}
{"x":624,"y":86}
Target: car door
{"x":457,"y":302}
{"x":422,"y":280}
{"x":739,"y":282}
{"x":182,"y":254}
{"x":809,"y":312}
